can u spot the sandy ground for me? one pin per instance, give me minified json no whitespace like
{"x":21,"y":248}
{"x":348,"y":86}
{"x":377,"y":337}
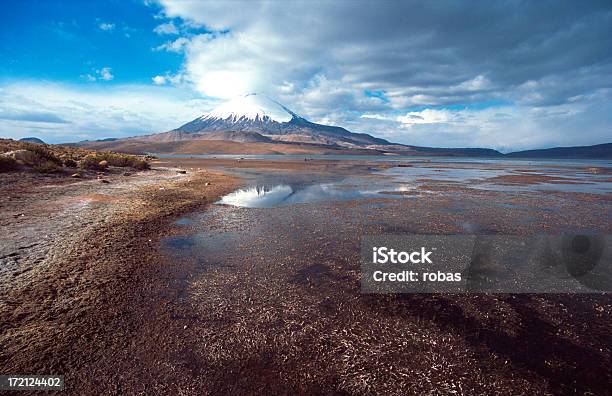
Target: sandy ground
{"x":272,"y":305}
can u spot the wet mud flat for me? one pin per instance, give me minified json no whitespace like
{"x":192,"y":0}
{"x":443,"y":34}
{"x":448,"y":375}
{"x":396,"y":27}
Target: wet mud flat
{"x":272,"y":301}
{"x":146,"y":286}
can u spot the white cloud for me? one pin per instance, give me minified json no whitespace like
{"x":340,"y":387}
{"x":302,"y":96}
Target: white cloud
{"x":105,"y":74}
{"x":166,"y":28}
{"x":177,"y":45}
{"x":428,"y":116}
{"x":159,"y":80}
{"x":92,"y":112}
{"x":176,"y":80}
{"x":506,"y":128}
{"x":106,"y":26}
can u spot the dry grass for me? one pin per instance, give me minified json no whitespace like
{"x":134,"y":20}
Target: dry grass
{"x":100,"y":161}
{"x":46,"y":166}
{"x":43,"y":153}
{"x":48,"y":158}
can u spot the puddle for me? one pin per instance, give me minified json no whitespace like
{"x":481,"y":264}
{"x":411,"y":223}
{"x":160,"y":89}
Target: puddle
{"x":456,"y":175}
{"x":270,"y":196}
{"x":258,"y":196}
{"x":185,"y":221}
{"x":207,"y":249}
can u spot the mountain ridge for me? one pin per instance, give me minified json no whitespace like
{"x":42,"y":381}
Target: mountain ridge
{"x":267,"y":117}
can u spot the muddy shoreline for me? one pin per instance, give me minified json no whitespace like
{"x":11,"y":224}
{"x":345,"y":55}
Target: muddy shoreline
{"x":75,"y":306}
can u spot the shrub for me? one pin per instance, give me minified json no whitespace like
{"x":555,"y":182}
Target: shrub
{"x":90,"y":161}
{"x":99,"y":161}
{"x":140,"y":164}
{"x":26,"y":157}
{"x":70,"y":163}
{"x":43,"y":153}
{"x":41,"y":161}
{"x":46,"y":166}
{"x":7,"y":164}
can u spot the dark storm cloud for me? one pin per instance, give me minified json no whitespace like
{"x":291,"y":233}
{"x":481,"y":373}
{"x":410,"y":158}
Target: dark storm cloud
{"x":424,"y":48}
{"x":438,"y":45}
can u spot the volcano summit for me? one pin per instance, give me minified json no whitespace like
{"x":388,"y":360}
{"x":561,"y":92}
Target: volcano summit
{"x":258,"y":118}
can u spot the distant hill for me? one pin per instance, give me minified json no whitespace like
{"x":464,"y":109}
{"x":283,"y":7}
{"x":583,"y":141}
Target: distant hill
{"x":599,"y":151}
{"x":450,"y":152}
{"x":32,"y":140}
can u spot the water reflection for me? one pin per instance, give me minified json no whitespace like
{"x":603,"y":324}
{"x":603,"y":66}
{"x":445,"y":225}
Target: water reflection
{"x":258,"y":196}
{"x":272,"y":190}
{"x":283,"y":194}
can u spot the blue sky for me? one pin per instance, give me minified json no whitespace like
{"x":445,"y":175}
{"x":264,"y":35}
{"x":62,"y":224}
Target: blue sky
{"x":442,"y":73}
{"x":65,"y":41}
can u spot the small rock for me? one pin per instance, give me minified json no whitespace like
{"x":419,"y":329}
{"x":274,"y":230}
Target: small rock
{"x":76,"y":175}
{"x":104,"y":181}
{"x":103,"y":164}
{"x":181,"y":171}
{"x":207,"y":184}
{"x":127,"y":174}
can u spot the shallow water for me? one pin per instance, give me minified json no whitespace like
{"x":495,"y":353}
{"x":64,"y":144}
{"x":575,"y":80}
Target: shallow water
{"x":264,"y":196}
{"x":398,"y":158}
{"x":267,"y":190}
{"x":295,"y":212}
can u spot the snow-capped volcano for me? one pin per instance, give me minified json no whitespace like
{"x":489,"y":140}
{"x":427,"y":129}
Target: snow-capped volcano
{"x":256,"y":117}
{"x":248,"y":113}
{"x":256,"y":123}
{"x":251,"y":107}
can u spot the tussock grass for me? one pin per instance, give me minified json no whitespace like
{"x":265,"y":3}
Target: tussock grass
{"x":43,"y":154}
{"x":45,"y":166}
{"x":70,"y":163}
{"x":48,"y":158}
{"x":100,"y":161}
{"x":7,"y":164}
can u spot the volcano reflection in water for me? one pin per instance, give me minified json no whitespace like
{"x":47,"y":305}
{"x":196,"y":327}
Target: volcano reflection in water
{"x":258,"y":197}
